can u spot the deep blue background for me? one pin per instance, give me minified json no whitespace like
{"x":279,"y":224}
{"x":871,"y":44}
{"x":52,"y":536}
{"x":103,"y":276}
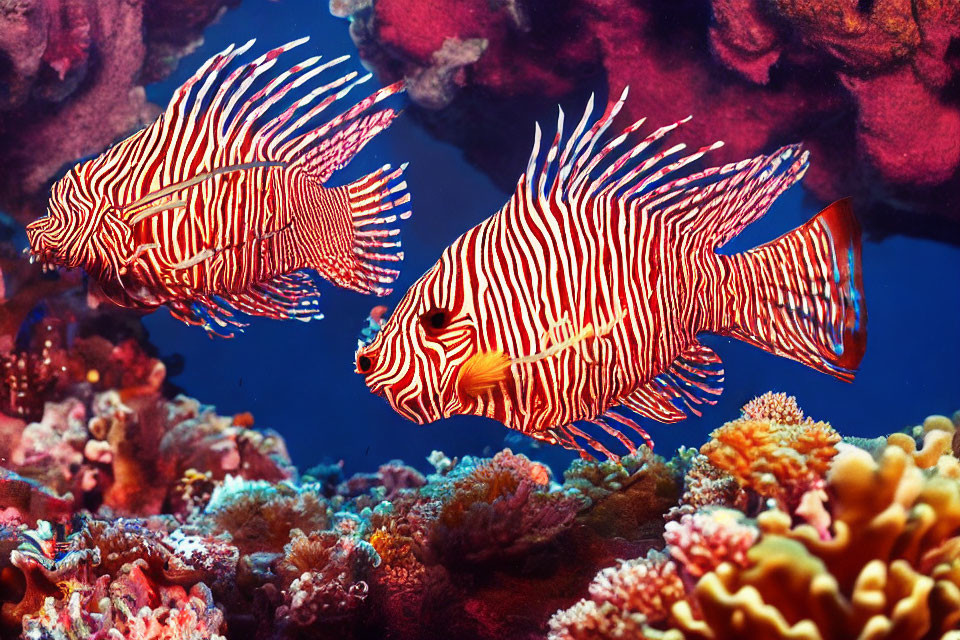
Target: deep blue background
{"x":298,"y":378}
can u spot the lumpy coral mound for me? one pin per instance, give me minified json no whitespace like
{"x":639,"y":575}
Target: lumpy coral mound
{"x":870,"y":87}
{"x":73,"y":74}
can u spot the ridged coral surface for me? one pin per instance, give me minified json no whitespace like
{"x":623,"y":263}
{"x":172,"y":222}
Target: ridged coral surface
{"x":886,"y":565}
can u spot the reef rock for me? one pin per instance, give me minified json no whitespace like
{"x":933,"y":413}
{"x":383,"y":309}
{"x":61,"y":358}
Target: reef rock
{"x":73,"y":80}
{"x":871,"y":88}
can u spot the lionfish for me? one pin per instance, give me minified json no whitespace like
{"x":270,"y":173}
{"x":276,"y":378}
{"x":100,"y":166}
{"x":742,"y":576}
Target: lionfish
{"x":579,"y":304}
{"x":221,"y":204}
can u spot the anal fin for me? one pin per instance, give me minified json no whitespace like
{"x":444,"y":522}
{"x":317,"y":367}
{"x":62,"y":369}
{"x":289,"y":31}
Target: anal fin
{"x":693,"y":379}
{"x":289,"y":296}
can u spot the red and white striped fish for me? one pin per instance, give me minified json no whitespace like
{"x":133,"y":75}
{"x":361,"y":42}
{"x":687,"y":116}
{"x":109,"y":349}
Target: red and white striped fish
{"x":220,"y":205}
{"x":587,"y":291}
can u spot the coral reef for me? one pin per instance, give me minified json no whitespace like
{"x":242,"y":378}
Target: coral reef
{"x":128,"y":510}
{"x":74,"y":72}
{"x":884,"y":566}
{"x":871,"y":87}
{"x":773,"y":450}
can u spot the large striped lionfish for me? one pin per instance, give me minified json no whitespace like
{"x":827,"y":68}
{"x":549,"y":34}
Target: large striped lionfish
{"x":220,"y":204}
{"x":587,"y":292}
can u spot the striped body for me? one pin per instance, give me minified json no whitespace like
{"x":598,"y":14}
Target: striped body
{"x":221,"y":203}
{"x":594,"y":282}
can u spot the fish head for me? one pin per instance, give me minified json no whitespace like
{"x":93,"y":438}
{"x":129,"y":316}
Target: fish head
{"x":79,"y":231}
{"x":414,"y":358}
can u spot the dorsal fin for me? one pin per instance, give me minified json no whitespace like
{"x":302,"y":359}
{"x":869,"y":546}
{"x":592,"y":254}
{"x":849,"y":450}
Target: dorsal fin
{"x":716,"y":203}
{"x":219,"y":121}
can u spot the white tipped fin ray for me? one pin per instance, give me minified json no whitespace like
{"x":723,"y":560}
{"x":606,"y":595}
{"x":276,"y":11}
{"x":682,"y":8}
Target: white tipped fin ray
{"x":717,"y":202}
{"x":217,"y":122}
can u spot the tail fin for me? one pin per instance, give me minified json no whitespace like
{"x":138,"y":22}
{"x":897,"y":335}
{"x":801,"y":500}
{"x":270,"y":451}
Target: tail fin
{"x":346,"y":232}
{"x":801,"y":296}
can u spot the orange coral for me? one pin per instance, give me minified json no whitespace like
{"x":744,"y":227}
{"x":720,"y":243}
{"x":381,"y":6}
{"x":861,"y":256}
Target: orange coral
{"x":777,"y":460}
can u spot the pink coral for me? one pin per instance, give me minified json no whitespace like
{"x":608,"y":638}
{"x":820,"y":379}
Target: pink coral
{"x":870,"y":88}
{"x":645,"y":585}
{"x":702,"y":541}
{"x":75,"y":73}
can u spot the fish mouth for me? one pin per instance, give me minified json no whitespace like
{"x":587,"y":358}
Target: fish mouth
{"x":46,"y":258}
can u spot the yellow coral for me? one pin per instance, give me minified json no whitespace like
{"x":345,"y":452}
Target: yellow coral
{"x":890,"y":571}
{"x":938,"y":433}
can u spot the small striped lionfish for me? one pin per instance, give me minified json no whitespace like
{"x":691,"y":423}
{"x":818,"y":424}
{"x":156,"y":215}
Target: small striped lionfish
{"x":220,"y":205}
{"x":584,"y":296}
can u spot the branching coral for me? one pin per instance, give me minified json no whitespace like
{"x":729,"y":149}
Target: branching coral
{"x":779,"y":461}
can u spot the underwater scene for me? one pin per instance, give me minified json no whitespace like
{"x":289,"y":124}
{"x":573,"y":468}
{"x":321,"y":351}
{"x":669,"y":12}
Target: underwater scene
{"x":480,"y":319}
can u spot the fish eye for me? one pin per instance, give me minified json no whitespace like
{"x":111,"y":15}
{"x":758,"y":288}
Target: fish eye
{"x":364,"y":364}
{"x":435,"y":320}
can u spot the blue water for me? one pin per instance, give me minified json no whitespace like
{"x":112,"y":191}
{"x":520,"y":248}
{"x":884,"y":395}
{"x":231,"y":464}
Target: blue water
{"x":298,"y":378}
